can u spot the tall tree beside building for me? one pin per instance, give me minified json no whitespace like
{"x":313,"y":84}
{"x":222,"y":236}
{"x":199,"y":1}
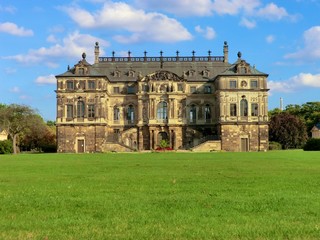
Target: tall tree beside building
{"x":288,"y":130}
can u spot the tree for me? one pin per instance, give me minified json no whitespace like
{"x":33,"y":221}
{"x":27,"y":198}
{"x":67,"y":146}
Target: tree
{"x":287,"y":129}
{"x":39,"y":136}
{"x":309,"y":112}
{"x":16,"y":120}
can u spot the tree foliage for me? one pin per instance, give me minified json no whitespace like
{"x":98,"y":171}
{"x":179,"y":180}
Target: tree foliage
{"x":309,"y":112}
{"x":25,"y":127}
{"x":313,"y":144}
{"x":288,"y":130}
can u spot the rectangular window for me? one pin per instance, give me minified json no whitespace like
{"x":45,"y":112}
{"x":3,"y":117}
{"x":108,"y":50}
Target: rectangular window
{"x":91,"y":111}
{"x":131,"y":90}
{"x":69,"y":111}
{"x":233,"y":109}
{"x":70,"y":85}
{"x":233,"y":84}
{"x":116,"y":90}
{"x":254,"y":84}
{"x":116,"y":114}
{"x":254,"y":109}
{"x":180,"y":88}
{"x":207,"y":89}
{"x":193,"y":89}
{"x":91,"y":84}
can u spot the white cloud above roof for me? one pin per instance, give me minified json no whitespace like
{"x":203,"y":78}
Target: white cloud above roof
{"x":41,"y":80}
{"x":137,"y":24}
{"x":69,"y":47}
{"x":311,"y":48}
{"x":14,"y":29}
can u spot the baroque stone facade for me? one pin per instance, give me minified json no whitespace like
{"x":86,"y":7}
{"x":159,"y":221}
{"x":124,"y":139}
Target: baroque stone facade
{"x":132,"y":103}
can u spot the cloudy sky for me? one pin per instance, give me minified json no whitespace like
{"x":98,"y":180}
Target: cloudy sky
{"x":39,"y":39}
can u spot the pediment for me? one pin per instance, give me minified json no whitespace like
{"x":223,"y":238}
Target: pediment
{"x":162,"y":76}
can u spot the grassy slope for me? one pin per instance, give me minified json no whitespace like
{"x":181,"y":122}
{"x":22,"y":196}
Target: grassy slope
{"x":273,"y":195}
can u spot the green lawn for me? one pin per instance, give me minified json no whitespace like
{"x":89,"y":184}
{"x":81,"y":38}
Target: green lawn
{"x":259,"y":195}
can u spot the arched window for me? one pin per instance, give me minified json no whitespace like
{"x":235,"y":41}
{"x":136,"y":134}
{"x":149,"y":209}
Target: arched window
{"x":193,"y":113}
{"x":207,"y":113}
{"x":162,"y":111}
{"x":244,"y":108}
{"x":116,"y":114}
{"x":130,"y":114}
{"x":80,"y":109}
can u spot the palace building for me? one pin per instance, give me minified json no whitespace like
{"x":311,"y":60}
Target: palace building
{"x":133,"y":103}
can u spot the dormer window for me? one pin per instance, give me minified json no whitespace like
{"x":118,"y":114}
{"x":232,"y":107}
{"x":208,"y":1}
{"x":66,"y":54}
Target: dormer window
{"x":81,"y":71}
{"x":131,"y":73}
{"x":116,"y":73}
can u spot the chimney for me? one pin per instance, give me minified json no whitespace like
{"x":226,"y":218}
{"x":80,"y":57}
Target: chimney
{"x":96,"y":53}
{"x":225,"y":52}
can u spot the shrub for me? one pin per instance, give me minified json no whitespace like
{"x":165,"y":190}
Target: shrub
{"x":275,"y":146}
{"x":6,"y":147}
{"x":313,"y":144}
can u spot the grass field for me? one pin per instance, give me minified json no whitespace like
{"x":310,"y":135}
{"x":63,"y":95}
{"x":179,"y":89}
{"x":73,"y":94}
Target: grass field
{"x":259,"y":195}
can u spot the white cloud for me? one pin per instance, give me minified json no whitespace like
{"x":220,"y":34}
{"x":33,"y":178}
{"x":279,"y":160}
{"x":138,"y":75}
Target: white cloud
{"x":15,"y":90}
{"x":295,"y":82}
{"x":270,"y":38}
{"x":13,"y":29}
{"x":234,"y":7}
{"x":307,"y":79}
{"x":272,"y":12}
{"x":51,"y":38}
{"x":46,"y":80}
{"x":207,"y":33}
{"x":8,"y":9}
{"x":70,"y":47}
{"x":247,"y":23}
{"x":178,"y":7}
{"x":311,"y":48}
{"x":139,"y":25}
{"x":276,"y":86}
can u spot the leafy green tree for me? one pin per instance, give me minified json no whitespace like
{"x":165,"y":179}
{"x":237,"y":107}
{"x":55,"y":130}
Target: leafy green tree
{"x":16,"y":120}
{"x":6,"y":147}
{"x":288,"y":130}
{"x":309,"y":112}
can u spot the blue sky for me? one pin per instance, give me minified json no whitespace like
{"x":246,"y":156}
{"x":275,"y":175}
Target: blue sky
{"x":39,"y":39}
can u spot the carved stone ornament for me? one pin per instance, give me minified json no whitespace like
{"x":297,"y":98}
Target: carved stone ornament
{"x":162,"y":75}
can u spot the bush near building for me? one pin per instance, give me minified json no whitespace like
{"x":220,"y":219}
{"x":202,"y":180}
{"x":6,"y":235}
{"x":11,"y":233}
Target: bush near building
{"x":313,"y":144}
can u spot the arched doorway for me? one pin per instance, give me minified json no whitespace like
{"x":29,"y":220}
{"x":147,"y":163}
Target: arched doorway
{"x":162,"y":136}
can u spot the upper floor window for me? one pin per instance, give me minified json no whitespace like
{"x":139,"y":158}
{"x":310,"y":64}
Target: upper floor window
{"x":162,"y":110}
{"x":254,"y":84}
{"x":233,"y":109}
{"x":130,"y":114}
{"x":80,"y":109}
{"x":145,"y":88}
{"x":207,"y":113}
{"x":91,"y":111}
{"x":193,"y":113}
{"x":91,"y":84}
{"x":180,"y":87}
{"x":70,"y":85}
{"x":131,"y":89}
{"x":244,"y":108}
{"x":69,"y":111}
{"x":254,"y":109}
{"x":233,"y":84}
{"x":207,"y":89}
{"x":193,"y":89}
{"x":116,"y":114}
{"x":116,"y":90}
